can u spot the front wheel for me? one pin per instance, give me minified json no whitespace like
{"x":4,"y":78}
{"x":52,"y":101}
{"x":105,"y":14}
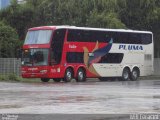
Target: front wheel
{"x":68,"y":75}
{"x":134,"y":74}
{"x":81,"y":75}
{"x":44,"y":79}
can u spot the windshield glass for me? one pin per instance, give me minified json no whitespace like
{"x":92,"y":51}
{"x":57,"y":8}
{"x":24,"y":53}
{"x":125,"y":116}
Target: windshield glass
{"x":38,"y":37}
{"x":35,"y":57}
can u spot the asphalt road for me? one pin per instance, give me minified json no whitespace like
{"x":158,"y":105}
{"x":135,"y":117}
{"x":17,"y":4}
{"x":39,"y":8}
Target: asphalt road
{"x":90,"y":98}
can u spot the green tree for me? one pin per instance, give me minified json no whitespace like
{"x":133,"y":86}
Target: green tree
{"x":8,"y":41}
{"x":143,"y":15}
{"x":109,"y":21}
{"x":95,"y":13}
{"x":18,"y":17}
{"x":131,"y":14}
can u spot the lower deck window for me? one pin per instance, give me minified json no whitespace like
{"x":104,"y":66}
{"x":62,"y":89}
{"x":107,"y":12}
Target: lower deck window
{"x":75,"y":57}
{"x":112,"y":58}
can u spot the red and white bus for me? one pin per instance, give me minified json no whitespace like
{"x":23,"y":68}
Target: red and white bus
{"x":67,"y":52}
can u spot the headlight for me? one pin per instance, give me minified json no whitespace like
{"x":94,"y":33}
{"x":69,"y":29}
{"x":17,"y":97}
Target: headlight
{"x":22,"y":63}
{"x":43,"y":71}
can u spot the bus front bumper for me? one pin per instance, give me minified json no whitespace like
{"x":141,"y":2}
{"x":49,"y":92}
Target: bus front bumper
{"x":34,"y":75}
{"x":34,"y":72}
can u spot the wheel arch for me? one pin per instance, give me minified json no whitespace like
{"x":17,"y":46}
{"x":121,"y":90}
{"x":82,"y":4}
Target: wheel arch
{"x":126,"y":67}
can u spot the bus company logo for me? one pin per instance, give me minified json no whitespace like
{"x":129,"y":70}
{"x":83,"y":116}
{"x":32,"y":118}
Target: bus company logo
{"x":130,"y":47}
{"x":32,"y":69}
{"x":96,"y":54}
{"x":72,"y":46}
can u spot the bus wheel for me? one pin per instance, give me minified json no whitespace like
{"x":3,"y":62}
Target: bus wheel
{"x":81,"y":75}
{"x":134,"y":74}
{"x":68,"y":75}
{"x":126,"y":74}
{"x":44,"y":79}
{"x":57,"y":79}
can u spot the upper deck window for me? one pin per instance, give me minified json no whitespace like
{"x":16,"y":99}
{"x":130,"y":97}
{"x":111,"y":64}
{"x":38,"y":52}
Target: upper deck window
{"x":38,"y":37}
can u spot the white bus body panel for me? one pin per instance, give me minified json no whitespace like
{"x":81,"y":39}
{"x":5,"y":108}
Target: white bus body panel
{"x":143,"y":59}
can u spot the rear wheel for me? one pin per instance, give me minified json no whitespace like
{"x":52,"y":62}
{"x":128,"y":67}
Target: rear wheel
{"x":68,"y":75}
{"x":45,"y":79}
{"x":81,"y":75}
{"x":57,"y":79}
{"x":134,"y":74}
{"x":125,"y":74}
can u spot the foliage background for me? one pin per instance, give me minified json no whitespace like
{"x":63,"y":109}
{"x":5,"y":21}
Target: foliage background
{"x":124,"y":14}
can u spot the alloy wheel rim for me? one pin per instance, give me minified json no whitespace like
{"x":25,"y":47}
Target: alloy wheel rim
{"x":80,"y":74}
{"x":69,"y":75}
{"x":125,"y":75}
{"x":135,"y":74}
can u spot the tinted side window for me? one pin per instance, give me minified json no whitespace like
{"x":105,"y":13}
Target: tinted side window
{"x":121,"y":37}
{"x":78,"y":35}
{"x":132,"y":38}
{"x":75,"y":57}
{"x":71,"y":35}
{"x":146,"y":38}
{"x":105,"y":36}
{"x":101,"y":36}
{"x":88,"y":36}
{"x":112,"y":58}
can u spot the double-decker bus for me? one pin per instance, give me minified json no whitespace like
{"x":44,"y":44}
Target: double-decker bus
{"x":62,"y":53}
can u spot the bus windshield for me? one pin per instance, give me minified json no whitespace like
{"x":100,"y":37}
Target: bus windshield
{"x":35,"y":57}
{"x":38,"y":37}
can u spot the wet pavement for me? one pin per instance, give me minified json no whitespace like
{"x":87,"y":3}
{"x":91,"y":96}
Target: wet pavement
{"x":92,"y":97}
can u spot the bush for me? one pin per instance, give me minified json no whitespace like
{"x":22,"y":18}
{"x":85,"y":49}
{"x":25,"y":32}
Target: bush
{"x":2,"y":78}
{"x":10,"y":77}
{"x":13,"y":77}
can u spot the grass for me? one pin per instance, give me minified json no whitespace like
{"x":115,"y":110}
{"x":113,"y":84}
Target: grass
{"x":14,"y":78}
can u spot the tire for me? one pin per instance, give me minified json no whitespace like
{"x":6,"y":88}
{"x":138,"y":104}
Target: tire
{"x":44,"y":79}
{"x":68,"y":75}
{"x":134,"y":74}
{"x":125,"y":74}
{"x":81,"y":75}
{"x":57,"y":79}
